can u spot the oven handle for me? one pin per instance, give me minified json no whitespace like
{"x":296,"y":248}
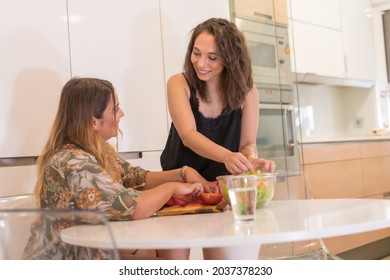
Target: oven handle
{"x":290,"y":145}
{"x":286,"y":109}
{"x":276,"y":106}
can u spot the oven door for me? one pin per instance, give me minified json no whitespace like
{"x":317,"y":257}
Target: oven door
{"x":276,"y":135}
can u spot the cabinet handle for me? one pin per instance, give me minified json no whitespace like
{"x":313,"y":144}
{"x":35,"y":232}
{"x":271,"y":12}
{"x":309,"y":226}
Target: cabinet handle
{"x":345,"y":64}
{"x":31,"y":160}
{"x":130,"y":155}
{"x":17,"y":161}
{"x":267,"y":17}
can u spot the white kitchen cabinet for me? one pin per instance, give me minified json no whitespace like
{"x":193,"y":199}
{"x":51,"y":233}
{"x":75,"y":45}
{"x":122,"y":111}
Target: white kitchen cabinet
{"x":176,"y":27}
{"x":148,"y":160}
{"x":358,"y":39}
{"x":280,"y":7}
{"x":34,"y":65}
{"x":316,"y":49}
{"x":263,"y":10}
{"x":270,"y":10}
{"x":333,"y":38}
{"x":317,"y":12}
{"x":121,"y":41}
{"x":317,"y":39}
{"x":17,"y":180}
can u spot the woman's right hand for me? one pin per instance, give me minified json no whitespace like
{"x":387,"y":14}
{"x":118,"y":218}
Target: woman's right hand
{"x":153,"y":199}
{"x":237,"y":163}
{"x":189,"y":188}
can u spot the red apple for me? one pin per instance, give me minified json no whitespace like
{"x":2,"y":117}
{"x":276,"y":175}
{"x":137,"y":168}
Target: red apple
{"x":211,"y":198}
{"x":181,"y":200}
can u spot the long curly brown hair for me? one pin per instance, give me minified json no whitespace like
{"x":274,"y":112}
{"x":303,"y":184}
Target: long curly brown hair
{"x":236,"y":77}
{"x":81,"y":100}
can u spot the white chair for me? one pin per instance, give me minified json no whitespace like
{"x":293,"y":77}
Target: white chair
{"x":16,"y":242}
{"x":17,"y":201}
{"x":295,"y":185}
{"x":40,"y":229}
{"x":20,"y":220}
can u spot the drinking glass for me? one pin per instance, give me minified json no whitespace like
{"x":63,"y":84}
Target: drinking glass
{"x":242,"y":191}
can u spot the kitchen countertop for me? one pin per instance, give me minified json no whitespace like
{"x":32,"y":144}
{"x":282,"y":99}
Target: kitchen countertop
{"x":345,"y":139}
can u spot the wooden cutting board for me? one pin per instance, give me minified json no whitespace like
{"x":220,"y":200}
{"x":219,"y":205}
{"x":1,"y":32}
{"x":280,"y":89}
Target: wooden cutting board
{"x":192,"y":208}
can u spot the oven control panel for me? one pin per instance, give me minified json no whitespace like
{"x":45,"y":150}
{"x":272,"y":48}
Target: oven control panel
{"x":275,"y":94}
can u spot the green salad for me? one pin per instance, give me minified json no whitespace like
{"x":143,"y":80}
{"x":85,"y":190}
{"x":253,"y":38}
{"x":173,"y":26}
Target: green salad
{"x":265,"y":187}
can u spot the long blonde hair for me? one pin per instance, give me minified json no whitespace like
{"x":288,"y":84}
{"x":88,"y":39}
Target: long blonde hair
{"x":81,"y":100}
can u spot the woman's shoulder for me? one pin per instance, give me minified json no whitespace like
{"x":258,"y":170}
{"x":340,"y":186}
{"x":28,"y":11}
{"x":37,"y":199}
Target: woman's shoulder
{"x":177,"y":84}
{"x":71,"y":148}
{"x":69,"y":152}
{"x":252,"y":94}
{"x":177,"y":78}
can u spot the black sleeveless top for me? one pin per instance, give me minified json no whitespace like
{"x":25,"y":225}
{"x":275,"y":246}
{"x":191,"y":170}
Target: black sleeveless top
{"x":223,"y":130}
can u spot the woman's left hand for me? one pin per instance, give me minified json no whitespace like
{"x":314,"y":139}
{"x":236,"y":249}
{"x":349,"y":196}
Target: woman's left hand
{"x":263,"y":165}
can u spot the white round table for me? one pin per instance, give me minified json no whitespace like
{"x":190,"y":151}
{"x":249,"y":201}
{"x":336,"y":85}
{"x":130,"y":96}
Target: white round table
{"x":280,"y":221}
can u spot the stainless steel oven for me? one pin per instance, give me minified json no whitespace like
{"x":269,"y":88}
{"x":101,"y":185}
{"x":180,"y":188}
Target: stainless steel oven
{"x":276,"y":136}
{"x":270,"y":53}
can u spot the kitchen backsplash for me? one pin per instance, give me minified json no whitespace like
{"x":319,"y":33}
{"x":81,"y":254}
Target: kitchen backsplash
{"x":328,"y":112}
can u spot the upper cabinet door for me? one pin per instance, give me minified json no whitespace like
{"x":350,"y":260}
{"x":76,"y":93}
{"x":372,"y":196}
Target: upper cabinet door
{"x":34,"y":65}
{"x":316,"y":32}
{"x":333,"y":38}
{"x":121,"y":41}
{"x":269,"y":10}
{"x":263,"y":10}
{"x":177,"y":25}
{"x":317,"y":50}
{"x":177,"y":22}
{"x":325,"y":13}
{"x":358,"y":39}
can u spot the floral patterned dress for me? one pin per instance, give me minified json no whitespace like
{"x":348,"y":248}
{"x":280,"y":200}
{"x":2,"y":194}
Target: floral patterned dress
{"x":75,"y":180}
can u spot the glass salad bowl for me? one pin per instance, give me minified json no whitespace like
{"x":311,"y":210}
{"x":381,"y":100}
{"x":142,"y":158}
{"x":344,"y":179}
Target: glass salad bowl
{"x":265,"y":187}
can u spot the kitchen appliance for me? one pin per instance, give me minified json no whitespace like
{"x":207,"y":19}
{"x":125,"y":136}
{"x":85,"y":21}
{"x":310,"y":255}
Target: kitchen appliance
{"x":270,"y":53}
{"x":276,"y":134}
{"x":270,"y":50}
